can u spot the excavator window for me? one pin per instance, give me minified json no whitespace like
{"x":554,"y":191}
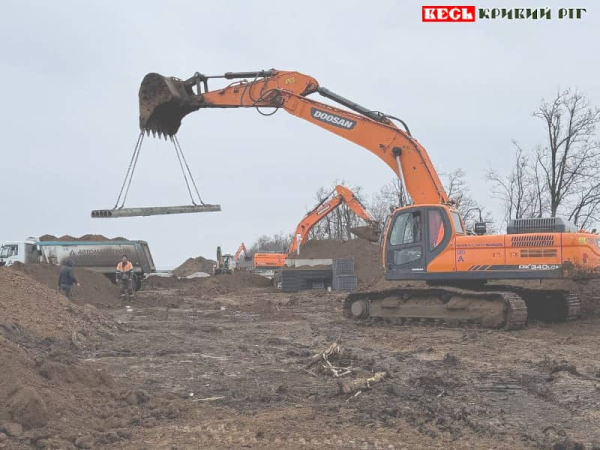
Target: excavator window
{"x":457,"y":223}
{"x":436,"y":229}
{"x":408,"y":233}
{"x":407,"y":229}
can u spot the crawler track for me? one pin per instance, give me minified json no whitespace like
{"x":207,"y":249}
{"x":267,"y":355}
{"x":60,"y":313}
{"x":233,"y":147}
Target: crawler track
{"x":502,"y":307}
{"x":440,"y":305}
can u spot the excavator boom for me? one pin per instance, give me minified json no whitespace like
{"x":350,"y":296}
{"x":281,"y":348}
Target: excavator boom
{"x":165,"y":101}
{"x":344,"y":195}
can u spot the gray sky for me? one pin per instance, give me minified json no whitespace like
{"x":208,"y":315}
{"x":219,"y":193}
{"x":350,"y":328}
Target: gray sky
{"x":70,"y":74}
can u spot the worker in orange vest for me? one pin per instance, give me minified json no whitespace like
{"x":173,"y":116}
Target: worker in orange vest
{"x":124,"y":277}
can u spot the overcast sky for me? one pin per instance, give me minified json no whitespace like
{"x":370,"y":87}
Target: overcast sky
{"x":69,"y":106}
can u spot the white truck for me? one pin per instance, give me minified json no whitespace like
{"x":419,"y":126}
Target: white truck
{"x":96,"y":256}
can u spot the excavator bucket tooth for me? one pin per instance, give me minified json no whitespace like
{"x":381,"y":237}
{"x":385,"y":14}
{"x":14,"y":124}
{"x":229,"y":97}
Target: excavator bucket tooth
{"x":369,"y":233}
{"x":164,"y":101}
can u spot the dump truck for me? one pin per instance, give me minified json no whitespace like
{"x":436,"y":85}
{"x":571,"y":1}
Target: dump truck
{"x":96,"y":256}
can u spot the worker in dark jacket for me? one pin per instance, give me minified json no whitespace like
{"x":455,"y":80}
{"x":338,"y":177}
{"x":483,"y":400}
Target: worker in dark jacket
{"x":66,"y":279}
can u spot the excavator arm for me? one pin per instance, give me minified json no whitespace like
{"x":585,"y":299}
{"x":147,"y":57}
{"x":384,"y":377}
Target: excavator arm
{"x":165,"y":101}
{"x":309,"y":221}
{"x":323,"y":209}
{"x":241,"y":248}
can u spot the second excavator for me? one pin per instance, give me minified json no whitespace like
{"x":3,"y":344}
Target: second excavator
{"x":371,"y":232}
{"x":425,"y":241}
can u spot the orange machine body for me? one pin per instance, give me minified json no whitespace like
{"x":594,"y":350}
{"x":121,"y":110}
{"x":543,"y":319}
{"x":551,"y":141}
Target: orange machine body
{"x":429,"y":242}
{"x":269,"y":260}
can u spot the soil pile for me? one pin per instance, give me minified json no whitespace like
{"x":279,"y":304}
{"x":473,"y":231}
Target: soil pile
{"x":210,"y":286}
{"x":95,"y":288}
{"x":84,"y":238}
{"x":28,"y":308}
{"x":193,"y":265}
{"x":228,"y":283}
{"x":50,"y":400}
{"x":366,"y":255}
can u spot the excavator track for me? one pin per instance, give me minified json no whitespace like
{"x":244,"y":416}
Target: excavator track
{"x":546,"y":305}
{"x":440,"y":305}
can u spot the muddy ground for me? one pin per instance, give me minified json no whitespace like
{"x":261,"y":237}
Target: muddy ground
{"x":199,"y":367}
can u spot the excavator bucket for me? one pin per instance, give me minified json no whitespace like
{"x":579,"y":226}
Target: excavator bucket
{"x":370,"y":233}
{"x":164,"y":101}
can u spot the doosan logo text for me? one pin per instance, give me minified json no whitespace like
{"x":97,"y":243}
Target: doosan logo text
{"x":448,"y":14}
{"x":332,"y":119}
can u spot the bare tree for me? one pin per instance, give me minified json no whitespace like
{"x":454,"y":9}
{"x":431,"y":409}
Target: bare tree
{"x":276,"y":243}
{"x":560,"y":177}
{"x":469,"y":209}
{"x":338,"y":223}
{"x":520,"y":190}
{"x":384,"y":202}
{"x":569,"y":158}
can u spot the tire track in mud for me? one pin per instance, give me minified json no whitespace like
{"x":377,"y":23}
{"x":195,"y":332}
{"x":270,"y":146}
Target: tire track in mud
{"x":227,"y":434}
{"x":487,"y":392}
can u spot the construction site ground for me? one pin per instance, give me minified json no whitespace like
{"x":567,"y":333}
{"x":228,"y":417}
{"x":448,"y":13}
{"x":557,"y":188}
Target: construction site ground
{"x":223,"y":363}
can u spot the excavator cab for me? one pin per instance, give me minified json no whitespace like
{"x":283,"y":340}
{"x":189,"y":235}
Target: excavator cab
{"x":416,"y":237}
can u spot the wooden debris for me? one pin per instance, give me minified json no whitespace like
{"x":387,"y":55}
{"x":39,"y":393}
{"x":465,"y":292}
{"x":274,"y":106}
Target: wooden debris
{"x":333,"y":348}
{"x":325,"y":365}
{"x":360,"y":384}
{"x":208,"y":399}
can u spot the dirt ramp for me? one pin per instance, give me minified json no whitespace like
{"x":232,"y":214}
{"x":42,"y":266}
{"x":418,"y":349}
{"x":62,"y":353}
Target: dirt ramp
{"x":95,"y":288}
{"x":367,"y":257}
{"x":193,"y":265}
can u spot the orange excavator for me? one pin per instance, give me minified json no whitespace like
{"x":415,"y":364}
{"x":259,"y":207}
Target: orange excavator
{"x":344,"y":195}
{"x":425,"y":241}
{"x":241,"y":248}
{"x":370,"y":232}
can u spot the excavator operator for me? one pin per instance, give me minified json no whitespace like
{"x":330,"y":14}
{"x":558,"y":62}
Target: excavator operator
{"x":124,"y":277}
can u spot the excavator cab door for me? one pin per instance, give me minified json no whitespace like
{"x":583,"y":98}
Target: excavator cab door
{"x":417,"y":235}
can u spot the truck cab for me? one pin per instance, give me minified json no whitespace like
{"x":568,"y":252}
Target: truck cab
{"x":25,"y":252}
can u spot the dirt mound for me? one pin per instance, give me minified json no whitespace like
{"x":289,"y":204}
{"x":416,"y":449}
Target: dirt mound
{"x":27,"y":307}
{"x":51,"y":400}
{"x":209,"y":286}
{"x":366,"y":255}
{"x":193,"y":265}
{"x":95,"y":288}
{"x":84,"y":238}
{"x":227,"y":283}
